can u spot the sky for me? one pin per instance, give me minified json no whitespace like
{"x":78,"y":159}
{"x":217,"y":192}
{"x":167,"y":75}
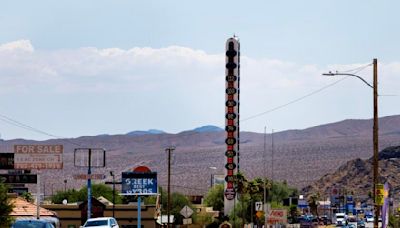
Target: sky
{"x":78,"y":68}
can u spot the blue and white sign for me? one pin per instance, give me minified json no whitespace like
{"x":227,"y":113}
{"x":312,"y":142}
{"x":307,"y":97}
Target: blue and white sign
{"x":302,"y":203}
{"x":139,"y":183}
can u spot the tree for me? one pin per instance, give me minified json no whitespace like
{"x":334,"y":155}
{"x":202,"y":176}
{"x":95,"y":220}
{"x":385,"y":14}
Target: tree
{"x":280,"y":191}
{"x":178,"y":201}
{"x":100,"y":190}
{"x":27,"y":196}
{"x":313,"y":203}
{"x":250,"y":191}
{"x":6,"y":207}
{"x":215,"y":197}
{"x":71,"y":195}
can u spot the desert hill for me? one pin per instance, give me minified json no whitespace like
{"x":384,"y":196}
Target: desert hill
{"x":356,"y":176}
{"x":298,"y":156}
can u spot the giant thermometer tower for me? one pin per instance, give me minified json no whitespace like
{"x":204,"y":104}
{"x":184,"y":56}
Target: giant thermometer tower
{"x":232,"y":79}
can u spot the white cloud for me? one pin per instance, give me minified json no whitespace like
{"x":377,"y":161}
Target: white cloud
{"x":19,"y":45}
{"x":185,"y":85}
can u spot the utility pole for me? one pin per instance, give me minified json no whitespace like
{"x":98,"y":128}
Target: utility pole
{"x":113,"y":197}
{"x":374,"y":134}
{"x":89,"y":186}
{"x":264,"y":155}
{"x":375,"y":139}
{"x":272,"y":158}
{"x":113,"y":182}
{"x":169,"y":150}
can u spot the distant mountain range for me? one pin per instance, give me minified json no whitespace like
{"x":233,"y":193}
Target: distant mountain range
{"x":149,"y":132}
{"x":203,"y":129}
{"x":299,"y":156}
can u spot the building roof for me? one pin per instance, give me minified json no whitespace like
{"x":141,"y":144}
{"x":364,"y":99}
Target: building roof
{"x":104,"y":201}
{"x":23,"y":208}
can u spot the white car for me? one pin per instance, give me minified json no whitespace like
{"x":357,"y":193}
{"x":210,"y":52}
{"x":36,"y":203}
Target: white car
{"x":102,"y":222}
{"x":369,"y":218}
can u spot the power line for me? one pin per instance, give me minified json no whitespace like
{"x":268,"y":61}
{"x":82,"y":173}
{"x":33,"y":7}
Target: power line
{"x":16,"y":123}
{"x":29,"y":128}
{"x":358,"y":69}
{"x":294,"y":101}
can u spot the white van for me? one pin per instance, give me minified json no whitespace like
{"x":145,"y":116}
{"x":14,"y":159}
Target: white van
{"x":340,"y":219}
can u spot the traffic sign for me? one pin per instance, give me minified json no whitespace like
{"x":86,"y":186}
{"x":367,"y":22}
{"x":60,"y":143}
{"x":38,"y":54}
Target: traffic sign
{"x":19,"y":178}
{"x":18,"y":190}
{"x":186,"y":211}
{"x":379,"y":194}
{"x":259,"y":206}
{"x":187,"y":221}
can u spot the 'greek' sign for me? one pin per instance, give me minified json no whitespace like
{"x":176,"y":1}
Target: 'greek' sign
{"x":139,"y":183}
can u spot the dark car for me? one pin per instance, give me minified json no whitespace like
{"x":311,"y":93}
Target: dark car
{"x":32,"y":223}
{"x":360,"y":223}
{"x":325,"y":220}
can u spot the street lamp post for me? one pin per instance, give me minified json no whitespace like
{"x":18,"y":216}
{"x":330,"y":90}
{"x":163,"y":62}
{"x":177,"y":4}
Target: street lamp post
{"x":65,"y":185}
{"x":375,"y":130}
{"x":212,"y":175}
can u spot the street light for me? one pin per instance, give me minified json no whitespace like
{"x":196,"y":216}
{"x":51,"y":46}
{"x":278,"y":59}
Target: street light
{"x":65,"y":185}
{"x":375,"y":129}
{"x":212,"y":175}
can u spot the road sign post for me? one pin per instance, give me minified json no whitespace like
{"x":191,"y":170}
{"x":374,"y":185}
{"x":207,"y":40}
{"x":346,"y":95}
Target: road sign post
{"x":259,"y":206}
{"x":186,"y":212}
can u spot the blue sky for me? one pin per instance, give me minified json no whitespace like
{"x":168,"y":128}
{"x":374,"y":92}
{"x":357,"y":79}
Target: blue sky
{"x":73,"y":68}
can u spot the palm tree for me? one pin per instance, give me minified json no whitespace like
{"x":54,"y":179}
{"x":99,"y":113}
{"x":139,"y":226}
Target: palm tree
{"x":313,"y":203}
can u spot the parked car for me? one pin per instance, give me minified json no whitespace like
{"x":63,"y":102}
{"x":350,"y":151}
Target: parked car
{"x":369,"y":218}
{"x":340,"y":219}
{"x":352,"y":220}
{"x":325,"y":220}
{"x":32,"y":223}
{"x":360,"y":223}
{"x":102,"y":222}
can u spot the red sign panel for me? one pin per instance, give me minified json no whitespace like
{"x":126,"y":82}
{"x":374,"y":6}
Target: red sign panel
{"x":277,"y":216}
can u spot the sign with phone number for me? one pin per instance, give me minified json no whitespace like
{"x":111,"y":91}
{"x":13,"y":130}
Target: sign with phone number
{"x":138,"y":183}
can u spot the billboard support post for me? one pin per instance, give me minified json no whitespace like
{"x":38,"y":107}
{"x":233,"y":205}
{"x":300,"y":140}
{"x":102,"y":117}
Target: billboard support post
{"x":38,"y":195}
{"x":139,"y":212}
{"x":89,"y":187}
{"x":85,"y":160}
